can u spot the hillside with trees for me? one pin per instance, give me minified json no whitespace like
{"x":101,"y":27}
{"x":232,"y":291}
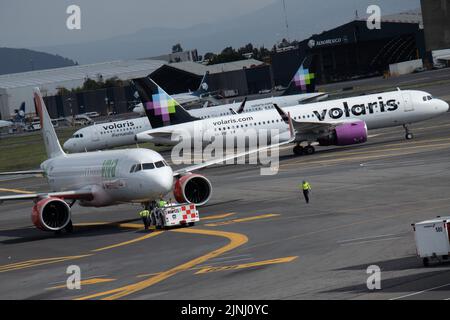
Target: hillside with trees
{"x":22,"y":60}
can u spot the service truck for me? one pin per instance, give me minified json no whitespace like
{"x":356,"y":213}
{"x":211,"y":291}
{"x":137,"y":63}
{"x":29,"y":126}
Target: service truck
{"x":174,"y":214}
{"x":432,"y":239}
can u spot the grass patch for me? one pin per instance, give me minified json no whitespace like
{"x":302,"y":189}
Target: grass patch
{"x":27,"y":152}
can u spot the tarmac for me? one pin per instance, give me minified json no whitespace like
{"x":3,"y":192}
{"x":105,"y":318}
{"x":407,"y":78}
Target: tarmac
{"x":257,"y":238}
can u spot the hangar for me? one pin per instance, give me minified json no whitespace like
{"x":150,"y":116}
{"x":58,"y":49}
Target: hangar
{"x":17,"y":88}
{"x":353,"y":50}
{"x":247,"y":76}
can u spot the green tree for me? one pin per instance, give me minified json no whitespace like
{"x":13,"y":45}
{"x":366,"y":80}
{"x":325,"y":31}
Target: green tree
{"x":177,"y":48}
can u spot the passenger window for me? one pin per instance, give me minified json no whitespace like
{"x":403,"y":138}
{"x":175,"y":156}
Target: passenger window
{"x":148,"y":166}
{"x":159,"y":164}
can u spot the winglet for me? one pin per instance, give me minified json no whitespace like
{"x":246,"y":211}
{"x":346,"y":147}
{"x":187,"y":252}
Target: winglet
{"x":283,"y":114}
{"x":242,"y":106}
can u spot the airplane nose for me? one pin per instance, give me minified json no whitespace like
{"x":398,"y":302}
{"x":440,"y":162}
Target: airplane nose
{"x":67,"y":144}
{"x":165,"y":180}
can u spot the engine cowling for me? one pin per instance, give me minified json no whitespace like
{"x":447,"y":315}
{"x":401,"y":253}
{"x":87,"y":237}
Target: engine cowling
{"x":51,"y":214}
{"x":346,"y":134}
{"x":193,"y":188}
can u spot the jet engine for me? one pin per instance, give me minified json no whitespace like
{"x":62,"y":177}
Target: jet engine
{"x":346,"y":134}
{"x":192,"y":188}
{"x":51,"y":214}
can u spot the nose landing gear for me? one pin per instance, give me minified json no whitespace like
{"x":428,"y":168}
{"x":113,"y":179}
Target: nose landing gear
{"x":408,"y":134}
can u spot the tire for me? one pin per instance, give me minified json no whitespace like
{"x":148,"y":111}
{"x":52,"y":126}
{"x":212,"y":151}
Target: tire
{"x":426,"y":262}
{"x":310,"y":150}
{"x":191,"y":224}
{"x":409,"y":136}
{"x":298,"y":150}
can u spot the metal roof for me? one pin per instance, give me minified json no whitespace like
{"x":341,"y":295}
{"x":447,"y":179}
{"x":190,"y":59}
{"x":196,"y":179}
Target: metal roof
{"x":410,"y":16}
{"x":200,"y":69}
{"x":125,"y":70}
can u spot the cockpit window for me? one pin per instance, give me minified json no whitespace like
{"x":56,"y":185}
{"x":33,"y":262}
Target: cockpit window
{"x":148,"y":166}
{"x":132,"y":168}
{"x":138,"y":168}
{"x":430,"y":97}
{"x":424,"y":98}
{"x":159,"y":164}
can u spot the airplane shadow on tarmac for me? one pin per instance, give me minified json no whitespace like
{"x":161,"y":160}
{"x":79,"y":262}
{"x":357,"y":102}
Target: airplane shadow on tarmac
{"x":30,"y":234}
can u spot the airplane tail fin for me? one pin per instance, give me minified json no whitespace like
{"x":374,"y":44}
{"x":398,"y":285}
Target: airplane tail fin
{"x":161,"y":109}
{"x":304,"y":80}
{"x":51,"y":142}
{"x":204,"y":87}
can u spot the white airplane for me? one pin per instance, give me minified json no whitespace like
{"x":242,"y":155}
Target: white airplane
{"x":19,"y":117}
{"x":335,"y":122}
{"x":122,"y":133}
{"x":185,"y":97}
{"x":4,"y":123}
{"x":301,"y":89}
{"x":99,"y":179}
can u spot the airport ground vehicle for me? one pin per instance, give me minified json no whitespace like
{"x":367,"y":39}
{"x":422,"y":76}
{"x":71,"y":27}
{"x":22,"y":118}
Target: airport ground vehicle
{"x":432,"y":239}
{"x":174,"y":215}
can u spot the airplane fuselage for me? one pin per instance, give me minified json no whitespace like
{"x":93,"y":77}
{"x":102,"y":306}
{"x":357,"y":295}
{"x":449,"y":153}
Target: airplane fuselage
{"x":108,"y":174}
{"x":377,"y":111}
{"x":122,"y":133}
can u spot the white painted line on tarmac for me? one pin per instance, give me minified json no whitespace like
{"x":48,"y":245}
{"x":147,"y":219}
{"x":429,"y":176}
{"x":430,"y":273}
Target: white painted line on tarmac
{"x":366,"y":238}
{"x":419,"y":292}
{"x":369,"y":241}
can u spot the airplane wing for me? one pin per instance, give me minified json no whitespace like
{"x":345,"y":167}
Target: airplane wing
{"x":157,"y":134}
{"x":314,"y":97}
{"x":234,"y":156}
{"x":305,"y":127}
{"x":16,"y":173}
{"x":84,"y":194}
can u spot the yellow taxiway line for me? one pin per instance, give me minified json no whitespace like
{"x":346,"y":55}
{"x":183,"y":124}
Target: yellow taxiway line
{"x":236,"y":240}
{"x":84,"y":283}
{"x":224,"y":223}
{"x":16,"y":191}
{"x":246,"y":265}
{"x":38,"y":262}
{"x":219,"y":216}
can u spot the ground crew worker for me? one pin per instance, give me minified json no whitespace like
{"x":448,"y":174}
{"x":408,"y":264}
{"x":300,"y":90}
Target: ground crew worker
{"x":161,"y":203}
{"x":145,"y":215}
{"x":306,"y":187}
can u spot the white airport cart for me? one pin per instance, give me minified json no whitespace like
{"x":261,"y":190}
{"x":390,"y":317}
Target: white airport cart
{"x":174,"y":215}
{"x":432,"y":239}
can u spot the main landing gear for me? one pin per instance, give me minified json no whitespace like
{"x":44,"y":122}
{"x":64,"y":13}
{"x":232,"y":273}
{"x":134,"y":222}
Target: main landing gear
{"x":308,"y":150}
{"x":408,"y":134}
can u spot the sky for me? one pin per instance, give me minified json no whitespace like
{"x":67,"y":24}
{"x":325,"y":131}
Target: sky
{"x":129,"y":28}
{"x":27,"y":23}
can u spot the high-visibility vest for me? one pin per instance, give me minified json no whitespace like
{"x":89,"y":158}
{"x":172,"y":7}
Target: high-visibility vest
{"x":162,"y":203}
{"x":144,"y":213}
{"x":305,"y":186}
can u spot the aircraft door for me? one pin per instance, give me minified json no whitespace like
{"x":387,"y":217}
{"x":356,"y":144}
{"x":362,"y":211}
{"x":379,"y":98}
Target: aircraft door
{"x":95,"y":135}
{"x":407,"y":102}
